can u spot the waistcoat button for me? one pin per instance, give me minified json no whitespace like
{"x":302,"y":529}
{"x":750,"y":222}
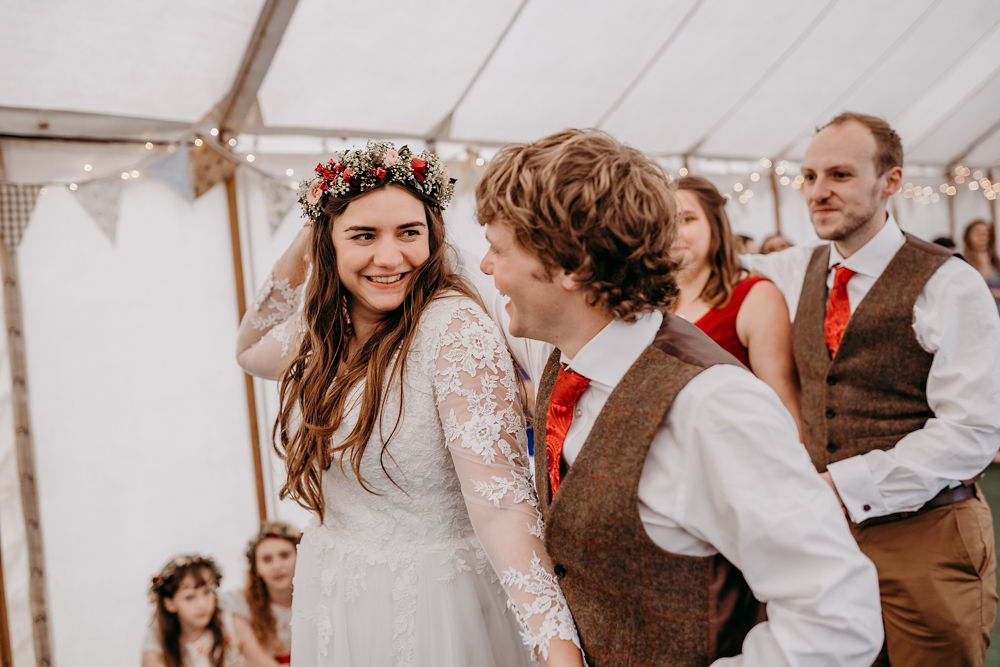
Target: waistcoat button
{"x":831,"y":380}
{"x":830,"y":447}
{"x":830,"y":412}
{"x":559,"y":570}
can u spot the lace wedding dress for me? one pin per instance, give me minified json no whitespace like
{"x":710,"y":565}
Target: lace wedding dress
{"x":448,"y":569}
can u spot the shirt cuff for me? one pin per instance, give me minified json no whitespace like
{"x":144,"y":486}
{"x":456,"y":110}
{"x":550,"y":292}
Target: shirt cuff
{"x":857,"y":490}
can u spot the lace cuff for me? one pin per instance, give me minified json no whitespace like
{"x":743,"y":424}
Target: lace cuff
{"x":275,"y":302}
{"x":271,"y":328}
{"x":478,"y":398}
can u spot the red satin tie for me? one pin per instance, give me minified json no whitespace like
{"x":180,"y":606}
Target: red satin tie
{"x":569,"y":386}
{"x":838,"y":309}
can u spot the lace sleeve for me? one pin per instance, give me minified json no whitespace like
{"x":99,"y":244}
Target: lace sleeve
{"x":478,"y":401}
{"x":271,"y":329}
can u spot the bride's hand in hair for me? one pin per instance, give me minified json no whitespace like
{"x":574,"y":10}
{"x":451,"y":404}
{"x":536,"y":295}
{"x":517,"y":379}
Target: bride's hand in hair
{"x":294,"y":262}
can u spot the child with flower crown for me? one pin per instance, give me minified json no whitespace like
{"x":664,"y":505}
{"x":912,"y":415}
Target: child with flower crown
{"x":262,"y":611}
{"x":402,"y":430}
{"x":189,"y":629}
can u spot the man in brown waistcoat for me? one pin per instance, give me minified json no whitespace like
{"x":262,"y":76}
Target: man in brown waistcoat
{"x":897,"y":343}
{"x":672,"y":480}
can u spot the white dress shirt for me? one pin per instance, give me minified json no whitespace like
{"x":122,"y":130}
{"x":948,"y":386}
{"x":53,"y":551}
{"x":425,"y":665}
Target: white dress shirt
{"x":726,"y":474}
{"x":955,"y":319}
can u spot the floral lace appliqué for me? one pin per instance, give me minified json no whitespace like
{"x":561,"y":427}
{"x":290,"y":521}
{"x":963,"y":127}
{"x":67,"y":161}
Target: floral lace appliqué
{"x":276,"y":301}
{"x":547,"y":603}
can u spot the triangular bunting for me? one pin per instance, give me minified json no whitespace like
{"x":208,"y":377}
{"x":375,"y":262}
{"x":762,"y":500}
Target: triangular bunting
{"x":102,"y":200}
{"x":16,"y":205}
{"x":175,"y":171}
{"x":208,"y":168}
{"x":278,"y":199}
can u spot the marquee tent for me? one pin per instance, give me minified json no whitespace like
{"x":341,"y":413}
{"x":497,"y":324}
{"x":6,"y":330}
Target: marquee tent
{"x":147,"y":156}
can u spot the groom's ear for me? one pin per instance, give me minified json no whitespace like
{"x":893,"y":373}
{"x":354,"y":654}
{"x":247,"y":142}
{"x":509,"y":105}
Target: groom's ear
{"x":568,"y":281}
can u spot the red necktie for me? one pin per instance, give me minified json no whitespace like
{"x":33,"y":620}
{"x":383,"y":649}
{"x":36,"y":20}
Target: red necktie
{"x":838,"y":309}
{"x":569,"y":386}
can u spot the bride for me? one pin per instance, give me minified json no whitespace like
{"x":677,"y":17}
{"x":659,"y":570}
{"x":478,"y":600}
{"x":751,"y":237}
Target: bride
{"x":401,"y":427}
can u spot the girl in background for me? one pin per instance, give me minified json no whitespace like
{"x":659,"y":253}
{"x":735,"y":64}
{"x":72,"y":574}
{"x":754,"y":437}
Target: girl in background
{"x":262,"y":612}
{"x":744,"y":314}
{"x":189,"y":629}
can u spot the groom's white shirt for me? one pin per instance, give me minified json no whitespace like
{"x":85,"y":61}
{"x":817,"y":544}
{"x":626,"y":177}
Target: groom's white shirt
{"x":726,"y":474}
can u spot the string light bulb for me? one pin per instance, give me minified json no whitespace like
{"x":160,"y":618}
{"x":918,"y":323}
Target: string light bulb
{"x":289,"y":172}
{"x":198,"y":142}
{"x":251,"y":157}
{"x":214,"y":131}
{"x":149,"y":145}
{"x":88,"y":167}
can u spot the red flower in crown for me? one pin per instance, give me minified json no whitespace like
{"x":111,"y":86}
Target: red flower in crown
{"x":419,"y":168}
{"x":380,"y":173}
{"x":337,"y":168}
{"x":346,"y":175}
{"x":319,"y":168}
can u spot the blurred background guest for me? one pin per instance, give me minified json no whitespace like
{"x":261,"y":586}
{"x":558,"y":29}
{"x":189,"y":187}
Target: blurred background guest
{"x":744,"y":314}
{"x":980,"y":249}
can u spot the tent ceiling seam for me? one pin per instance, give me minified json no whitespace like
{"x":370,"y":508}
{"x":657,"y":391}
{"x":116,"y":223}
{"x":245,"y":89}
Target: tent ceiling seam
{"x":854,"y":85}
{"x":443,"y":127}
{"x":693,"y":149}
{"x":643,"y":71}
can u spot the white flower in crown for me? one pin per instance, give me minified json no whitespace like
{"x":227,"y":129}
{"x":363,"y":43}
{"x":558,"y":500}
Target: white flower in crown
{"x":359,"y":170}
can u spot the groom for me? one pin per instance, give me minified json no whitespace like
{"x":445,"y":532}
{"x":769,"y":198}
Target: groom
{"x":672,"y":480}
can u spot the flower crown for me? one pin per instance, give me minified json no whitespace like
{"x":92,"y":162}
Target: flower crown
{"x":361,"y":169}
{"x":277,"y":529}
{"x":176,"y":565}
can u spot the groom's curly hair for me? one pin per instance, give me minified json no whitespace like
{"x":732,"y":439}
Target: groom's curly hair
{"x":583,"y":202}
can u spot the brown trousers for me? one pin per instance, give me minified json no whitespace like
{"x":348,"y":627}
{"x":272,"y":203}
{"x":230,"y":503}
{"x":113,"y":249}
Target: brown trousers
{"x":937,"y":578}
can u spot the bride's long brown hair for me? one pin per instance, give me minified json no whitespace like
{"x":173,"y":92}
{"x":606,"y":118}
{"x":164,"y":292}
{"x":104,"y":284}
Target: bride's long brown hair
{"x":314,"y":388}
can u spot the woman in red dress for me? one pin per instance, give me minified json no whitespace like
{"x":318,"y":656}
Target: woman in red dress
{"x":744,"y":314}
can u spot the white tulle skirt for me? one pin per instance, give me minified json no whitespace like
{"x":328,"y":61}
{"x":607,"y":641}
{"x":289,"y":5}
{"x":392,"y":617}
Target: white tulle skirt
{"x":439,"y":606}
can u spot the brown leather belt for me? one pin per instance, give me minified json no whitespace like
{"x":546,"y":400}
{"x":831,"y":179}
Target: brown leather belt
{"x":946,"y":497}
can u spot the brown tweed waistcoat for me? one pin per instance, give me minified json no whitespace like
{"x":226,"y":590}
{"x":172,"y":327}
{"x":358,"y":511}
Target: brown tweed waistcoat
{"x":633,"y":602}
{"x":874,"y":391}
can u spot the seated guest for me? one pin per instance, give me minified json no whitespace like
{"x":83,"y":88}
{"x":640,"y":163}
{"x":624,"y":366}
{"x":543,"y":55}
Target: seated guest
{"x":262,"y":612}
{"x":189,"y":629}
{"x":774,"y":243}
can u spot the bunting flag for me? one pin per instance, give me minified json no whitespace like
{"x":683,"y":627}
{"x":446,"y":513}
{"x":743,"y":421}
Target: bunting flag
{"x":278,"y":199}
{"x":209,"y":167}
{"x":175,"y":171}
{"x":102,"y":201}
{"x":16,"y":205}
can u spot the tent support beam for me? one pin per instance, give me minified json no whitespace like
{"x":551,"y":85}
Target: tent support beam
{"x":267,"y":34}
{"x":241,"y":308}
{"x":24,"y":451}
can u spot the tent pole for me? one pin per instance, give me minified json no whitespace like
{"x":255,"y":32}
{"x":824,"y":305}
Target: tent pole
{"x":24,"y":453}
{"x":6,"y":658}
{"x":951,"y":217}
{"x":24,"y":449}
{"x":241,"y":301}
{"x":776,"y":195}
{"x":993,"y":202}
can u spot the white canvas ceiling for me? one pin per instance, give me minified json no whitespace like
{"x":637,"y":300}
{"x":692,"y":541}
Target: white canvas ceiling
{"x":704,"y":78}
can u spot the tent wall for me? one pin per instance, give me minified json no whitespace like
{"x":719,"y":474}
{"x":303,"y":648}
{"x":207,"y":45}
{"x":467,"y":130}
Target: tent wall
{"x":136,"y":401}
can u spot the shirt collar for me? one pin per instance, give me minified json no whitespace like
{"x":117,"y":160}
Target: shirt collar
{"x":607,"y":356}
{"x":872,"y":258}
